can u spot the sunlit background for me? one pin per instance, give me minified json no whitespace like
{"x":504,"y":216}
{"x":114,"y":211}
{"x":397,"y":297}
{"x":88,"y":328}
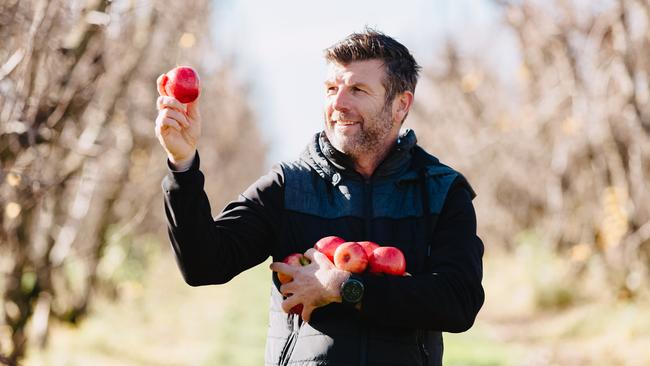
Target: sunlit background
{"x":543,"y":105}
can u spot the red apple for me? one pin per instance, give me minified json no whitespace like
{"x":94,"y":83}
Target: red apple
{"x":295,"y":259}
{"x":368,"y":246}
{"x":388,"y":260}
{"x":351,"y":257}
{"x":328,"y":245}
{"x":182,"y":83}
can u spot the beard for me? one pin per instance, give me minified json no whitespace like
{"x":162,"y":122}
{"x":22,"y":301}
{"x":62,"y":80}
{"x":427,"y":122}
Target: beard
{"x":369,"y":140}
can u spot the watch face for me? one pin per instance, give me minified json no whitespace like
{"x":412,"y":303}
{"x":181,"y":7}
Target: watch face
{"x":352,"y":291}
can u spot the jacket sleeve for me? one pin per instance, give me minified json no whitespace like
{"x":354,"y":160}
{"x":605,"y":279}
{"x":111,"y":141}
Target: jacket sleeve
{"x":213,"y":251}
{"x":450,"y":296}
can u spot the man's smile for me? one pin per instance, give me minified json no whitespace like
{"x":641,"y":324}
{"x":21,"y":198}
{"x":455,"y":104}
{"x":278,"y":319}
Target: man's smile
{"x":346,"y":123}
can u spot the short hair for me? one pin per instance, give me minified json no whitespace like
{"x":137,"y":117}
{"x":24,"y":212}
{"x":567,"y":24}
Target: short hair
{"x":401,"y":69}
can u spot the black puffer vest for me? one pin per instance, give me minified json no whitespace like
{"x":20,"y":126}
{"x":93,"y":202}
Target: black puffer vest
{"x":397,"y":206}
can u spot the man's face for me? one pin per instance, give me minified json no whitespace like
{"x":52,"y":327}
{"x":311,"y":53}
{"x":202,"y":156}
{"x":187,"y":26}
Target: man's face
{"x":357,"y":119}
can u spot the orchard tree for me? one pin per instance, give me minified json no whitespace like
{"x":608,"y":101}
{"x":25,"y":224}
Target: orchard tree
{"x":559,"y":147}
{"x":80,"y":166}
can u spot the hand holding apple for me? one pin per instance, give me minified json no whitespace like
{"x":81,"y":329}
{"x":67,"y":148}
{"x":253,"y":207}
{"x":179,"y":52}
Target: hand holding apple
{"x":296,"y":260}
{"x":313,"y":280}
{"x":314,"y":285}
{"x":178,"y":126}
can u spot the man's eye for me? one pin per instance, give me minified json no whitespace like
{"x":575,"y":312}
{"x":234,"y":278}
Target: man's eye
{"x":356,"y":89}
{"x":331,"y":89}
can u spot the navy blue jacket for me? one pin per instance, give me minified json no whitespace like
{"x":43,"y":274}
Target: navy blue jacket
{"x":412,"y":202}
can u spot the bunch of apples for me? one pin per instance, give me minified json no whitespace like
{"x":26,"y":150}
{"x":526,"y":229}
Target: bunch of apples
{"x":357,"y":257}
{"x":354,"y":257}
{"x":351,"y":256}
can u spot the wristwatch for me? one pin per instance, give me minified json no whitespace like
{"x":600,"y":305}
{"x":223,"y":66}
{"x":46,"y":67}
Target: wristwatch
{"x":352,"y":290}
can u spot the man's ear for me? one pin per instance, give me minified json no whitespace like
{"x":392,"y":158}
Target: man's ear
{"x":402,"y":104}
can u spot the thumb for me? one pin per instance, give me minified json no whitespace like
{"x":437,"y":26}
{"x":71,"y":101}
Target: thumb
{"x":160,"y":84}
{"x":193,"y":109}
{"x":316,"y":256}
{"x":310,"y":253}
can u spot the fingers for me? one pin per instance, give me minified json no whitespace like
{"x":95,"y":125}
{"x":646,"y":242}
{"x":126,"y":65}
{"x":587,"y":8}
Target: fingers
{"x":288,"y":288}
{"x":292,"y":301}
{"x":193,"y":109}
{"x":289,"y":303}
{"x":316,"y":256}
{"x":284,"y":268}
{"x":165,"y":102}
{"x":160,"y":84}
{"x":176,"y":116}
{"x":163,"y":123}
{"x":306,"y":312}
{"x":310,"y":253}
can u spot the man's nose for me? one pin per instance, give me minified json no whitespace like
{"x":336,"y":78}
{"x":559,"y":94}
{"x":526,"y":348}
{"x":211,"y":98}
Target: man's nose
{"x":341,"y":100}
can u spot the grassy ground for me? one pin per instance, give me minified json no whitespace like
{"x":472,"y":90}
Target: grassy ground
{"x":164,"y":322}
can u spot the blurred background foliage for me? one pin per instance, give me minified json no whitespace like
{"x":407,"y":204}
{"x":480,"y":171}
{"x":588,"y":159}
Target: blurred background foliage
{"x":81,"y":168}
{"x":559,"y":154}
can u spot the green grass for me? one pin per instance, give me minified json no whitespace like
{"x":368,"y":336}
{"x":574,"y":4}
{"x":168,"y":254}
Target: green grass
{"x":476,"y":348}
{"x":243,"y":335}
{"x":165,"y":322}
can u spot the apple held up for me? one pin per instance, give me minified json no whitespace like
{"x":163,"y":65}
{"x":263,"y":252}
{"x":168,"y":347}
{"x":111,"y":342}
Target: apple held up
{"x":182,"y":83}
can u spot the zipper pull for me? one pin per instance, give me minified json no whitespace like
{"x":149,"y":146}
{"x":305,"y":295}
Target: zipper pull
{"x":290,"y":322}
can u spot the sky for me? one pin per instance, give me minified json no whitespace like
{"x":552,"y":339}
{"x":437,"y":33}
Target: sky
{"x":278,"y":48}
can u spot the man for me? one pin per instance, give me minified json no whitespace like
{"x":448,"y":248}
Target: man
{"x":359,"y":179}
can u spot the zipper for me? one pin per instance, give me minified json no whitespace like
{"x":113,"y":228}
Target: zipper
{"x":367,"y":213}
{"x":423,"y":348}
{"x":431,"y":220}
{"x":367,"y":207}
{"x":285,"y":354}
{"x":364,"y":347}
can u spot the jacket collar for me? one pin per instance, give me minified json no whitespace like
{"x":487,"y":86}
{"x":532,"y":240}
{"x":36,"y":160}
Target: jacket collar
{"x":332,"y":164}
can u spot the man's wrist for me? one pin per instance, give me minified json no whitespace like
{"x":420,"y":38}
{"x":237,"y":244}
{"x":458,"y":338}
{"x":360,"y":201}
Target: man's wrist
{"x":341,"y":277}
{"x":181,"y":165}
{"x":352,"y":290}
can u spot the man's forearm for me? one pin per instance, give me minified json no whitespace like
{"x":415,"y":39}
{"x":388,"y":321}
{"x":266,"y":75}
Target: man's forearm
{"x":212,"y":251}
{"x":449,"y":296}
{"x":442,"y":302}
